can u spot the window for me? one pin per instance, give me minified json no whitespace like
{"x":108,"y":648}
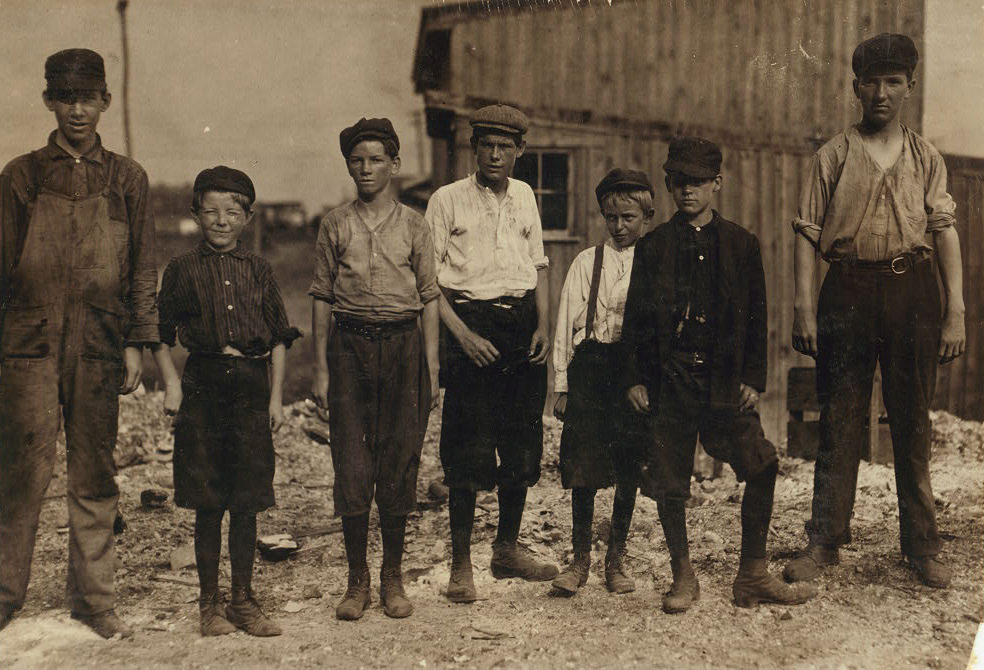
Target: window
{"x":548,"y":174}
{"x":434,"y":62}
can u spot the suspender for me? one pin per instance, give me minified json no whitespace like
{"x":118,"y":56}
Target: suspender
{"x":593,"y":293}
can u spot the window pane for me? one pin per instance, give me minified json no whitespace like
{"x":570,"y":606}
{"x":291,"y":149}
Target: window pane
{"x":525,"y":169}
{"x":553,"y":211}
{"x":554,"y":172}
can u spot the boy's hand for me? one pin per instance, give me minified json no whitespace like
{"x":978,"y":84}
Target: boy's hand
{"x":539,"y":346}
{"x":172,"y":399}
{"x":638,"y":398}
{"x":480,"y":351}
{"x":276,"y":415}
{"x":805,"y":332}
{"x":435,"y":387}
{"x":953,"y":338}
{"x":133,"y":367}
{"x":319,"y":388}
{"x":560,"y":406}
{"x":748,"y":398}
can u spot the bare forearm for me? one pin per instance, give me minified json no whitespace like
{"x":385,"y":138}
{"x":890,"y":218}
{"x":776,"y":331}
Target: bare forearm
{"x":543,"y":297}
{"x":432,"y":328}
{"x":450,"y":318}
{"x":320,"y":322}
{"x":804,"y":269}
{"x":162,"y":357}
{"x":951,"y":269}
{"x":278,"y":367}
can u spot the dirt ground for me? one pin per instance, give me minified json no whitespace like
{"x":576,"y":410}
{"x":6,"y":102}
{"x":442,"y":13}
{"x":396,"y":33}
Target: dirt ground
{"x":870,"y":613}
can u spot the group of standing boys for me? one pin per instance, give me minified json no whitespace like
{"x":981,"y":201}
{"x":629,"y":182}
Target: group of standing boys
{"x":660,"y":339}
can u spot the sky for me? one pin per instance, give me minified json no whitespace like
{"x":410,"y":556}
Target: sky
{"x":266,"y":86}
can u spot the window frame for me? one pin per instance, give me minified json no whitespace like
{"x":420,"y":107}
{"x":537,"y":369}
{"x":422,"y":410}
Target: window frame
{"x":569,"y":153}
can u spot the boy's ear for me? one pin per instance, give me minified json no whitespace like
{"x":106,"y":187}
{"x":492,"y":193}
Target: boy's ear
{"x":857,"y":90}
{"x":717,"y":183}
{"x":107,"y":98}
{"x":396,"y":165}
{"x":48,"y":102}
{"x":520,"y":149}
{"x":666,"y":180}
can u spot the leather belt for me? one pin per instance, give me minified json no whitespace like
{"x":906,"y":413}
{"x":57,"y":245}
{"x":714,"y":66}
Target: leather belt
{"x":374,"y":331}
{"x":896,"y":266}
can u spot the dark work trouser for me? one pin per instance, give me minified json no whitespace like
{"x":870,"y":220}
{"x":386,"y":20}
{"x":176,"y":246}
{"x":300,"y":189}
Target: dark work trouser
{"x":864,"y":317}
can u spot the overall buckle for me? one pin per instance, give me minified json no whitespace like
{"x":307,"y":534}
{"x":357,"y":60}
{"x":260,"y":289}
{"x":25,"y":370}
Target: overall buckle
{"x":900,"y":264}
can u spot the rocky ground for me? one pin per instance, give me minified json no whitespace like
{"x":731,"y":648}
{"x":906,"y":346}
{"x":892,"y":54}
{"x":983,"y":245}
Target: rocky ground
{"x":871,"y":612}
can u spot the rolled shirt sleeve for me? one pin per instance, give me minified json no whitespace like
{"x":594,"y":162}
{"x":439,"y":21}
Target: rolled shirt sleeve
{"x":573,"y":299}
{"x":423,"y":261}
{"x":326,"y":261}
{"x":940,"y":207}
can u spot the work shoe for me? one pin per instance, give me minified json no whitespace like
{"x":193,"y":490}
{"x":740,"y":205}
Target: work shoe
{"x":617,"y":580}
{"x":808,"y":564}
{"x":684,"y":592}
{"x":511,"y":560}
{"x":461,"y":585}
{"x":245,"y":613}
{"x":931,"y":571}
{"x":106,"y":624}
{"x":755,"y":584}
{"x":575,"y":576}
{"x":6,"y":614}
{"x":212,"y":618}
{"x":356,"y":598}
{"x":392,"y":596}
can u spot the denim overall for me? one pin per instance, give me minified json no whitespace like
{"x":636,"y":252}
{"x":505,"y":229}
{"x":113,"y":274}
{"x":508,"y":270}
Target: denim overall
{"x":61,"y":346}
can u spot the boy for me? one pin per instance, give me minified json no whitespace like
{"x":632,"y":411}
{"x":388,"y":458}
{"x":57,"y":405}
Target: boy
{"x":77,"y":304}
{"x":695,"y":343}
{"x":375,"y":275}
{"x":494,"y":303}
{"x":224,"y":304}
{"x":601,"y":439}
{"x":875,"y":192}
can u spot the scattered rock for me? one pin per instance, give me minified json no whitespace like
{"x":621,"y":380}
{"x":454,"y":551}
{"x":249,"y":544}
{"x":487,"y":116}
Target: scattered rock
{"x":437,"y":490}
{"x":293,"y":607}
{"x":183,"y":557}
{"x":311,"y":592}
{"x":317,"y":430}
{"x":153,"y":498}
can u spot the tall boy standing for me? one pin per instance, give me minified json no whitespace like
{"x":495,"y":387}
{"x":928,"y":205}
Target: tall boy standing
{"x":695,"y":342}
{"x":494,"y":303}
{"x":77,"y":303}
{"x":376,"y":328}
{"x":875,"y":192}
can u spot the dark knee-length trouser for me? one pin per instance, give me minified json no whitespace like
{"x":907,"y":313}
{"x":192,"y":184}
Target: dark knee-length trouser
{"x":864,"y":317}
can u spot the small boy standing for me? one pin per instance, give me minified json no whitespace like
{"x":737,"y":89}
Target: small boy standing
{"x":77,"y":304}
{"x":602,"y":437}
{"x":695,"y":344}
{"x":875,"y":192}
{"x":224,"y":304}
{"x":376,"y":276}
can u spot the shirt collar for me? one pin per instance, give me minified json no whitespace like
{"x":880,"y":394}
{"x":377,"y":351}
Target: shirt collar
{"x":204,"y":249}
{"x":486,"y":189}
{"x":678,"y":219}
{"x":55,"y":152}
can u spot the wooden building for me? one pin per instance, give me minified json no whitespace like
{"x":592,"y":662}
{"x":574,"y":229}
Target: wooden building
{"x":609,"y":83}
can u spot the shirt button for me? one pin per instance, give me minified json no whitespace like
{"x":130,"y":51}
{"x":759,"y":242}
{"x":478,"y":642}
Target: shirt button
{"x":701,"y":257}
{"x":229,"y":307}
{"x":78,"y":160}
{"x":226,"y":282}
{"x":698,"y":229}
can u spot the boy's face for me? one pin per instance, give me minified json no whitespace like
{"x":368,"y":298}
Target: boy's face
{"x":496,"y":155}
{"x":371,"y":168}
{"x":882,"y":92}
{"x":692,"y":195}
{"x":77,"y":114}
{"x":625,"y":220}
{"x":222,"y":220}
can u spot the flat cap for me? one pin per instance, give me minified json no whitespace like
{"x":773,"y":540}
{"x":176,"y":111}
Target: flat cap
{"x":367,"y":129}
{"x":75,"y":69}
{"x":502,"y":118}
{"x":885,"y":49}
{"x":623,"y":180}
{"x":693,"y":157}
{"x":222,"y":178}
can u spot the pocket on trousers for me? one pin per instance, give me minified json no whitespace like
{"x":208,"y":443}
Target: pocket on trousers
{"x":103,"y":332}
{"x":26,"y":332}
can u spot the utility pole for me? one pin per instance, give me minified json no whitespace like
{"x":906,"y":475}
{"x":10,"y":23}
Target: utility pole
{"x":127,"y":145}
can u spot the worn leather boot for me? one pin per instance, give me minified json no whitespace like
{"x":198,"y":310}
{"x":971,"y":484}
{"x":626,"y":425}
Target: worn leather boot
{"x":755,"y":584}
{"x":212,"y":617}
{"x":685,"y":590}
{"x":575,"y":576}
{"x":245,"y":614}
{"x":617,"y":579}
{"x":461,"y":585}
{"x":392,"y":596}
{"x":808,"y":564}
{"x":106,"y":624}
{"x":512,"y":560}
{"x":932,"y":572}
{"x":356,"y":598}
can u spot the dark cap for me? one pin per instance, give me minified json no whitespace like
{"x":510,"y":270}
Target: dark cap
{"x":222,"y":178}
{"x":694,"y":157}
{"x":885,"y":49}
{"x":501,"y":118}
{"x":367,"y":129}
{"x":75,"y":69}
{"x":623,"y":180}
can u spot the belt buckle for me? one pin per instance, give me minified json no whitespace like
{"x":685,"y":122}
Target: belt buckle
{"x":903,"y":262}
{"x":698,"y":358}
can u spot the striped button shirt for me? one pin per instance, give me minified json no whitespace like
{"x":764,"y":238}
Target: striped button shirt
{"x":211,"y":300}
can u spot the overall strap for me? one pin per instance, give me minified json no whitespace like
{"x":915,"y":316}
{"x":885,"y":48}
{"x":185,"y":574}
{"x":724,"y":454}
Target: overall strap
{"x":593,"y":293}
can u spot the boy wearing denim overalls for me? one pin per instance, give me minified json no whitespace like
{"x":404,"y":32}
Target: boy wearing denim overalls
{"x":77,"y":284}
